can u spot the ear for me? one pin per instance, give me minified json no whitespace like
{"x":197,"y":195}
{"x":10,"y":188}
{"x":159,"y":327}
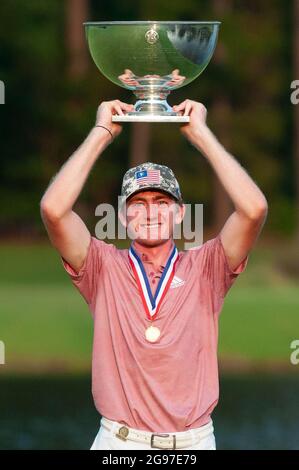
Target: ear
{"x":180,"y":213}
{"x":122,"y":216}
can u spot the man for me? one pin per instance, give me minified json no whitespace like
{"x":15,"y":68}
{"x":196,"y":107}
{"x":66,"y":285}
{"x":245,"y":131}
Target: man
{"x":155,"y":311}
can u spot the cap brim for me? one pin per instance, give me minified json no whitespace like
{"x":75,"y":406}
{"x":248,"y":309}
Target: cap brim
{"x":152,"y":188}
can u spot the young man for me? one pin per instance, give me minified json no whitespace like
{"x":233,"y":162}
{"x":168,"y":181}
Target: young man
{"x":155,"y":311}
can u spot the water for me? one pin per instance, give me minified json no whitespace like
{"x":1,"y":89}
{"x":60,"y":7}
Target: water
{"x":254,"y":412}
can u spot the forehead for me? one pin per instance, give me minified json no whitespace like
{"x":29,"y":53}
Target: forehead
{"x":149,"y":195}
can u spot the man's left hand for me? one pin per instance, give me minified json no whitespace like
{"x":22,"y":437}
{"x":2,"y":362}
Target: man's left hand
{"x":194,"y":129}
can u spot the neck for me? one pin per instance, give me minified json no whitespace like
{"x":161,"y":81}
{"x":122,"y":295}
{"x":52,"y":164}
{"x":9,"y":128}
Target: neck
{"x":159,"y":253}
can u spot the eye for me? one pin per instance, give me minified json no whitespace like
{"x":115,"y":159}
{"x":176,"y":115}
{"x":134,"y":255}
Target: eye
{"x":138,"y":204}
{"x":163,"y":202}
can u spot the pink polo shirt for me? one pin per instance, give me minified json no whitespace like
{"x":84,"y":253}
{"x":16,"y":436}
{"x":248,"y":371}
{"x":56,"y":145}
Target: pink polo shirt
{"x":171,"y":385}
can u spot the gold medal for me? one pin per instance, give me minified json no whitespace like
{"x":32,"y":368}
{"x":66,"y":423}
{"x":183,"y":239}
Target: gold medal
{"x":152,"y":333}
{"x":150,"y":303}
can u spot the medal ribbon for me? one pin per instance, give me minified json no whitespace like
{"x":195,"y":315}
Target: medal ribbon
{"x":152,"y":303}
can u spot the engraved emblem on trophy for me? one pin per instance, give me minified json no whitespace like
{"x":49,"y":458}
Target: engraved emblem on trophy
{"x":152,"y":58}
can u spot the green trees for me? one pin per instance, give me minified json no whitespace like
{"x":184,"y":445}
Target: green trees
{"x":50,"y":106}
{"x":296,"y":111}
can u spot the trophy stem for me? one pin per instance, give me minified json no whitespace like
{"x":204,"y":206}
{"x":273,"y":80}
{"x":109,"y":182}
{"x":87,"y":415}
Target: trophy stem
{"x":151,"y":106}
{"x":153,"y":102}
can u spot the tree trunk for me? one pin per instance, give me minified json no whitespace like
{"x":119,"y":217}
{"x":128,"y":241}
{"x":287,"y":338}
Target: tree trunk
{"x":222,"y":204}
{"x":139,"y":143}
{"x":221,"y":110}
{"x":296,"y":113}
{"x":76,"y":13}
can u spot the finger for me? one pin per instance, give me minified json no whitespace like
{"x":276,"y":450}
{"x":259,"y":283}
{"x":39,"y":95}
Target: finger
{"x":125,"y":105}
{"x":181,"y":106}
{"x":127,"y":108}
{"x":118,"y":109}
{"x":178,"y":111}
{"x":187,"y":109}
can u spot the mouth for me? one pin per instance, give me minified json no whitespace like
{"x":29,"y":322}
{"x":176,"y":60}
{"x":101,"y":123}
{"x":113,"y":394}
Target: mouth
{"x":151,"y":225}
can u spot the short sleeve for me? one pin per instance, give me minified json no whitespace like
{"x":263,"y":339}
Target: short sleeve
{"x":215,"y":268}
{"x":86,"y":280}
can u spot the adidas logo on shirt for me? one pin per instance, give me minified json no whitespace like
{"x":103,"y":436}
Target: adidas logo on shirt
{"x":176,"y":282}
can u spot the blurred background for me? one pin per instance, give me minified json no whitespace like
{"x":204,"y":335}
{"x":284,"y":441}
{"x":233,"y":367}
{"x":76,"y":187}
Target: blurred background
{"x":52,"y":90}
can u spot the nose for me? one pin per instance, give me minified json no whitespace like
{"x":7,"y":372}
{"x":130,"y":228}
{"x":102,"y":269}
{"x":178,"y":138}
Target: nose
{"x":152,"y":212}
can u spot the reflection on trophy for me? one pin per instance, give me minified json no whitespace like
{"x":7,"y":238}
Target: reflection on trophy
{"x":129,"y":79}
{"x":152,"y":58}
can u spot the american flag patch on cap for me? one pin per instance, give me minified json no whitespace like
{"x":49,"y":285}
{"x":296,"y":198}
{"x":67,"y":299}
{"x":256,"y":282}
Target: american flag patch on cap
{"x":147,"y":176}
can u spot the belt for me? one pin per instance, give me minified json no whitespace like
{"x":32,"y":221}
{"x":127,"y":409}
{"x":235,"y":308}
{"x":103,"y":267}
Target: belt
{"x":177,"y":440}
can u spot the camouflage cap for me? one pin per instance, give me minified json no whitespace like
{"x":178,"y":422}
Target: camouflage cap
{"x":150,"y":176}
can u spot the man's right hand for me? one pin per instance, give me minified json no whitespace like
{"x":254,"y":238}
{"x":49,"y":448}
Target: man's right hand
{"x":67,"y":231}
{"x":105,"y":112}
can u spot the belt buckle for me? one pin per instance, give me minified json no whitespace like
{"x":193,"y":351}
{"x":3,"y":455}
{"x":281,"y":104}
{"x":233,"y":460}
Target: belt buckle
{"x":162,"y":435}
{"x":122,"y":433}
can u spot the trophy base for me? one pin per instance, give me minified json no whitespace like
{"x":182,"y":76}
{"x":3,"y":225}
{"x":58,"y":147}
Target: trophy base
{"x":146,"y":117}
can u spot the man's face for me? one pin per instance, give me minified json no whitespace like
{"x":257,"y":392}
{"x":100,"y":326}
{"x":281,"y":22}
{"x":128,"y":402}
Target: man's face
{"x":151,"y":215}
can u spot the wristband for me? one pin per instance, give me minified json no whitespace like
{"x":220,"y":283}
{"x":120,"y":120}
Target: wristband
{"x":98,"y":125}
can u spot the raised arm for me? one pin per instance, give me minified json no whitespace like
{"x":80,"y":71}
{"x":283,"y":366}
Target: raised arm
{"x":242,"y":228}
{"x":67,"y":231}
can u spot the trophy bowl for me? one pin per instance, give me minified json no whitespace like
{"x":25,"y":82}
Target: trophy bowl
{"x":152,"y":58}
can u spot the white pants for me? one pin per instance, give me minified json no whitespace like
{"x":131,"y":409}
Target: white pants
{"x":106,"y":440}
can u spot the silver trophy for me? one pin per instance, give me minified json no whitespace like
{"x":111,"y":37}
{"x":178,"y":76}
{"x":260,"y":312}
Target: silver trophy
{"x":152,"y":58}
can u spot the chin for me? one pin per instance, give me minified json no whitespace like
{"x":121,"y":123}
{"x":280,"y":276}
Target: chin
{"x":151,"y":238}
{"x":151,"y":242}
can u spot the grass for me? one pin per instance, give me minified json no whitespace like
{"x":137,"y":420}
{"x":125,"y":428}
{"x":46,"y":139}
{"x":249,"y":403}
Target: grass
{"x":260,"y":322}
{"x":46,"y":323}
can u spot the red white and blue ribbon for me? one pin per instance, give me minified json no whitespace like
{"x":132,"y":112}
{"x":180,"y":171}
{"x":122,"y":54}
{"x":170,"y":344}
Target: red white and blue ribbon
{"x":152,"y":303}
